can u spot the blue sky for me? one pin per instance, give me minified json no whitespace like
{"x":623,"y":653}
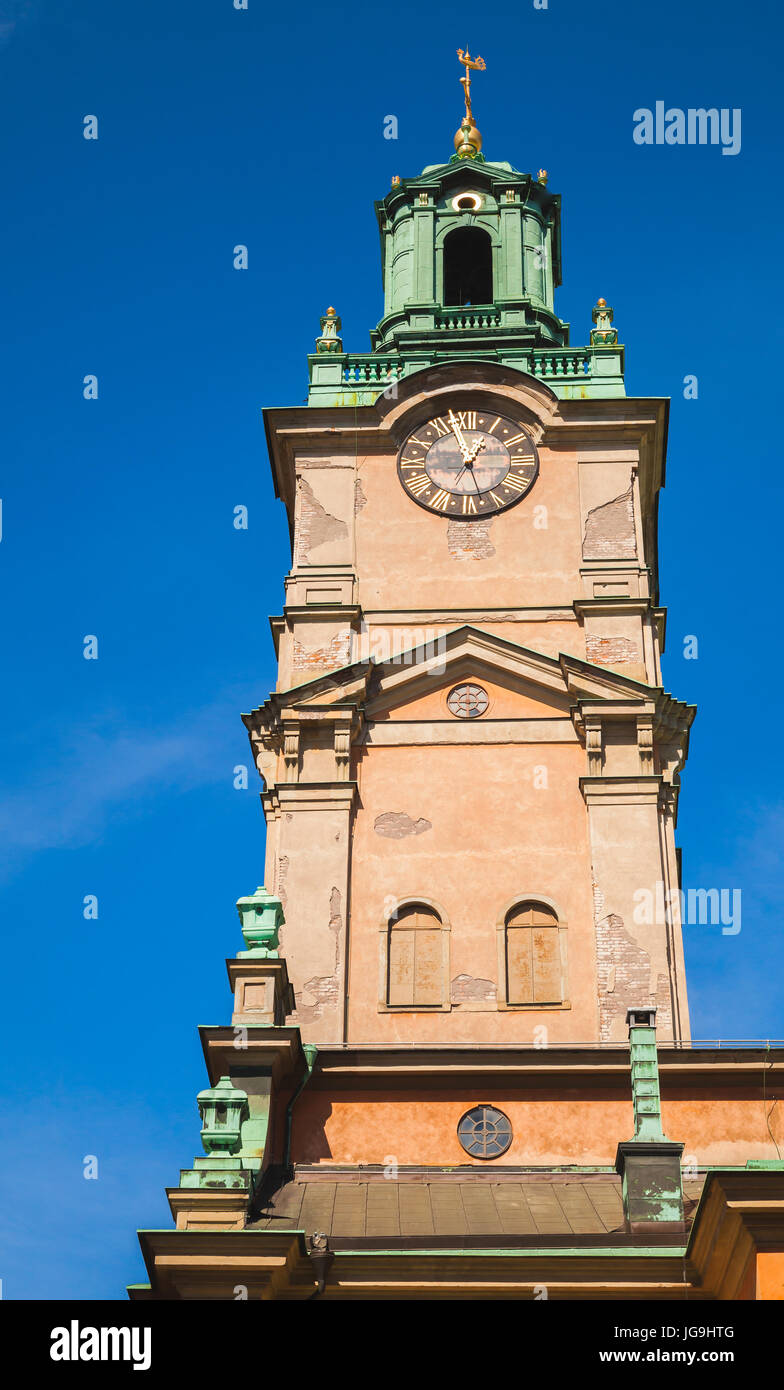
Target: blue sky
{"x":219,"y":127}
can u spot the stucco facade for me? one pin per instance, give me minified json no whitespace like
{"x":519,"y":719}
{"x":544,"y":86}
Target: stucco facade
{"x":470,"y":775}
{"x":565,"y":790}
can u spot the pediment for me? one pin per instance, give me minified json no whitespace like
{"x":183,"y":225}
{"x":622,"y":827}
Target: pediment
{"x":518,"y":681}
{"x":412,"y":683}
{"x":524,"y":682}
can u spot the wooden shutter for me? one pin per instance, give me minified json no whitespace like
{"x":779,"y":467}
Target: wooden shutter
{"x":519,"y":965}
{"x":533,"y":956}
{"x":546,"y":951}
{"x":415,"y":959}
{"x":401,"y":966}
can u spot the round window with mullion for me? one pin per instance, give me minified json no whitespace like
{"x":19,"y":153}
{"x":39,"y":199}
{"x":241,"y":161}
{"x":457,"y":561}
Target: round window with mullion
{"x":468,"y":701}
{"x":485,"y":1132}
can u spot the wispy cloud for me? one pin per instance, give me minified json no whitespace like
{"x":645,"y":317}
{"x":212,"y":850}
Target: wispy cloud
{"x":109,"y":768}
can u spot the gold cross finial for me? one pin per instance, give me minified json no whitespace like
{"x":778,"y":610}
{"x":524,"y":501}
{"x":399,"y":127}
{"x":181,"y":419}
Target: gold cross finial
{"x":474,"y":65}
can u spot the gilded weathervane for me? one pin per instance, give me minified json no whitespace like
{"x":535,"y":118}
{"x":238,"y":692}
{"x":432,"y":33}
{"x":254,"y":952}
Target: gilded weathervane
{"x":468,"y":141}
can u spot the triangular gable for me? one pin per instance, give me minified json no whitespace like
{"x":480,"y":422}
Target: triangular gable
{"x":561,"y":682}
{"x":470,"y":651}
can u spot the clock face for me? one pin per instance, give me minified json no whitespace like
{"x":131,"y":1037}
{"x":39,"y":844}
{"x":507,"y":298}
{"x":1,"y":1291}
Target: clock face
{"x":468,"y":463}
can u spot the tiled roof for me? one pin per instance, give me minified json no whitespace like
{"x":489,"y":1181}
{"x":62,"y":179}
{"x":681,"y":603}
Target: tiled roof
{"x":361,"y":1203}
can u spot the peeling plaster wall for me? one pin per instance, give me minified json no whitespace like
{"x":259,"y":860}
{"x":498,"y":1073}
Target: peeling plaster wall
{"x":612,"y":651}
{"x":321,"y":537}
{"x":470,"y":540}
{"x":409,"y":558}
{"x":466,"y":989}
{"x":493,"y":836}
{"x":360,"y":500}
{"x":314,"y":845}
{"x":281,"y":879}
{"x":632,"y":956}
{"x":609,"y":530}
{"x":395,"y":825}
{"x":332,"y":650}
{"x":624,"y":975}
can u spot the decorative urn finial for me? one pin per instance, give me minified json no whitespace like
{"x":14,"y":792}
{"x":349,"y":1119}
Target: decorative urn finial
{"x":603,"y":334}
{"x":542,"y":177}
{"x":261,"y":916}
{"x":329,"y":340}
{"x":222,"y":1109}
{"x":468,"y":140}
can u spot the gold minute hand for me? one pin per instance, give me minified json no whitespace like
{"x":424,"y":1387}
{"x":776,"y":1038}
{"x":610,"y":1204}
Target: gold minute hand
{"x":458,"y":433}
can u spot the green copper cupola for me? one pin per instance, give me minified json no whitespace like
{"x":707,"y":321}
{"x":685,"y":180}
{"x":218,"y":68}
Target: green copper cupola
{"x":470,"y":262}
{"x":473,"y":248}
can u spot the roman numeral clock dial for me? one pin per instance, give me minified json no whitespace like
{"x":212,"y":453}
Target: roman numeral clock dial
{"x":467,"y":463}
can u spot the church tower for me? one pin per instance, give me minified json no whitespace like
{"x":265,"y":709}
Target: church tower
{"x":470,"y":767}
{"x":470,"y":775}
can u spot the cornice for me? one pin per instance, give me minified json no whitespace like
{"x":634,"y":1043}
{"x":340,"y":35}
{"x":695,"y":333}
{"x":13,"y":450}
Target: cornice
{"x":739,"y":1213}
{"x":324,"y":431}
{"x":274,"y":1051}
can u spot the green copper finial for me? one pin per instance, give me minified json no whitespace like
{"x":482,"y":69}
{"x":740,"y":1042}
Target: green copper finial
{"x":221,"y":1108}
{"x":261,"y":916}
{"x":603,"y":334}
{"x":329,"y":339}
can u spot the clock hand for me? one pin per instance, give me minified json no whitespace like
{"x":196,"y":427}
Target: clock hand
{"x":458,"y":433}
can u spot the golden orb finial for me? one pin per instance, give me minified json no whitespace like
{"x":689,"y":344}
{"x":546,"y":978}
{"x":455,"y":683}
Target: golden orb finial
{"x":468,"y":140}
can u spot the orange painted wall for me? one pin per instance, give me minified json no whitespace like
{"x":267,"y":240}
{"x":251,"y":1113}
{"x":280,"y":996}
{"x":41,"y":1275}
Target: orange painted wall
{"x":421,"y":1128}
{"x":404,"y":559}
{"x":494,"y":837}
{"x":770,"y":1275}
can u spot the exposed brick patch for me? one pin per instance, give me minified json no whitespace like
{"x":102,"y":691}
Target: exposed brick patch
{"x":470,"y":540}
{"x":336,"y":653}
{"x":467,"y":989}
{"x":315,"y":525}
{"x":360,"y":500}
{"x":321,"y":993}
{"x":609,"y":530}
{"x":319,"y":996}
{"x":335,"y":919}
{"x":663,"y":1007}
{"x":611,"y":651}
{"x":623,"y":974}
{"x":283,"y":874}
{"x":395,"y":825}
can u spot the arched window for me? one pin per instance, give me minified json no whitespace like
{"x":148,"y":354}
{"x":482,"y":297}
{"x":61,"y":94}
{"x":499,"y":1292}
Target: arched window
{"x":468,"y":267}
{"x":415,"y":958}
{"x":532,"y":952}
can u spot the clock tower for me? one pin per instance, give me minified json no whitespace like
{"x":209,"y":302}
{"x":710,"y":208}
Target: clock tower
{"x":469,"y":776}
{"x":470,"y":766}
